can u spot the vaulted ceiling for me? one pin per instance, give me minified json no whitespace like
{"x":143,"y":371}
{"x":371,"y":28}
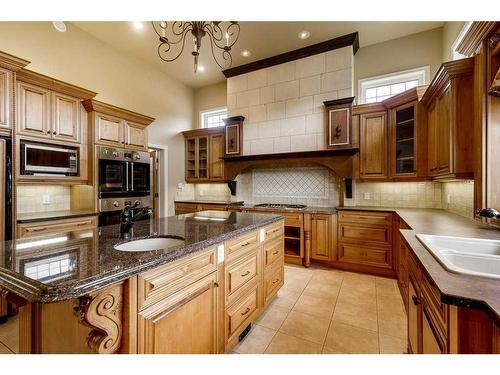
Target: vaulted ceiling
{"x":262,"y":39}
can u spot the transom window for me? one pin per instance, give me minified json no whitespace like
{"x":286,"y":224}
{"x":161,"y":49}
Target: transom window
{"x":213,"y":117}
{"x":376,"y":89}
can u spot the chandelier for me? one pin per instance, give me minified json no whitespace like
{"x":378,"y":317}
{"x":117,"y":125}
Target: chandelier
{"x":173,"y":37}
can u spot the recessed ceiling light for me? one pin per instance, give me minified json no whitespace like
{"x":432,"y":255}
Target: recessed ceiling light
{"x":201,"y":68}
{"x":245,"y":53}
{"x":59,"y":26}
{"x":304,"y":34}
{"x":138,"y":25}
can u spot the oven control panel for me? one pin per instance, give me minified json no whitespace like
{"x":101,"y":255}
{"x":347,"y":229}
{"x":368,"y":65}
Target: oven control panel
{"x":110,"y":153}
{"x":118,"y":204}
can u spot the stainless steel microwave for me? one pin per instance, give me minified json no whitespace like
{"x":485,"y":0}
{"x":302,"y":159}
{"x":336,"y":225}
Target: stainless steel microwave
{"x":40,"y":159}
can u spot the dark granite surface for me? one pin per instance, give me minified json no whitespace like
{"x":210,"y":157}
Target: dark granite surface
{"x":457,"y":289}
{"x":307,"y":210}
{"x":33,"y":217}
{"x":208,"y":201}
{"x":70,"y":264}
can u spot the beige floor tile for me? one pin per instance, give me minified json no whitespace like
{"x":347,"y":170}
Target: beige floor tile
{"x":386,"y":287}
{"x":9,"y":333}
{"x":322,"y":307}
{"x":305,"y":326}
{"x":390,"y":305}
{"x":256,"y":342}
{"x":332,"y":351}
{"x":392,"y":323}
{"x":392,"y":345}
{"x":286,"y":298}
{"x":328,"y":276}
{"x":295,"y":285}
{"x":356,"y":314}
{"x":344,"y":338}
{"x":362,"y":298}
{"x":286,"y":344}
{"x":273,"y":317}
{"x":322,"y":289}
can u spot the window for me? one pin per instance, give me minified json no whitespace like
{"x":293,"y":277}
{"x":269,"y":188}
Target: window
{"x":213,"y":117}
{"x":376,"y":89}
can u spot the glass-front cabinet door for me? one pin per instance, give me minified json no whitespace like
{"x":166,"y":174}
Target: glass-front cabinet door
{"x":197,"y":150}
{"x":403,"y":131}
{"x":203,"y":158}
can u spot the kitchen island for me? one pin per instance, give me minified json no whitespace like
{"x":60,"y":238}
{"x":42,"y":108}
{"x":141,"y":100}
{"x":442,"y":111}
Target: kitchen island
{"x":73,"y":292}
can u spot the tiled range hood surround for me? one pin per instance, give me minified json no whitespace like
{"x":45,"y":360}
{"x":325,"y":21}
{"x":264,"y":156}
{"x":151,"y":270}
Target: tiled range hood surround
{"x":283,"y":104}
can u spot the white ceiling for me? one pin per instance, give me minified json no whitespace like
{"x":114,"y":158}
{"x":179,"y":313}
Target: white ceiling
{"x":263,"y":39}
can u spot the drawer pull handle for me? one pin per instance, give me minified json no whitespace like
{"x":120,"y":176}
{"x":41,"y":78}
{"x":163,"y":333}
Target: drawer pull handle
{"x":276,"y":252}
{"x":275,"y":281}
{"x":246,"y":311}
{"x":275,"y":230}
{"x":416,"y":300}
{"x":36,"y":229}
{"x":245,"y":244}
{"x":245,"y":274}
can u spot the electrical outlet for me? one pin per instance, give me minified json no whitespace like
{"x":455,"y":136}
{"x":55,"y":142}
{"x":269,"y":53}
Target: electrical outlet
{"x":366,"y":196}
{"x":45,"y":199}
{"x":448,"y":198}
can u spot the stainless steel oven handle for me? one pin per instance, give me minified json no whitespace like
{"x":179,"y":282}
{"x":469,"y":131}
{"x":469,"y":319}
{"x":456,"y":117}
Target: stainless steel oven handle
{"x":132,"y":176}
{"x":126,"y":175}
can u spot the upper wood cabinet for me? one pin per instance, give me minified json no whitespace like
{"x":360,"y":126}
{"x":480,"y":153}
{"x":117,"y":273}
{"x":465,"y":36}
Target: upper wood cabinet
{"x":118,"y":127}
{"x":449,"y":100}
{"x":204,"y":149}
{"x":373,"y":145}
{"x":49,"y":109}
{"x":9,"y":65}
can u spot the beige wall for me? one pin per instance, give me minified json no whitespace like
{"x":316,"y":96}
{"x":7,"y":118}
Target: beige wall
{"x":411,"y":51}
{"x":81,"y":59}
{"x":209,"y":97}
{"x":450,"y":33}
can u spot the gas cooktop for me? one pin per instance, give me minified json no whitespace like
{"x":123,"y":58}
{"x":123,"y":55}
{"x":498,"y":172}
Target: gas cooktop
{"x":282,"y":206}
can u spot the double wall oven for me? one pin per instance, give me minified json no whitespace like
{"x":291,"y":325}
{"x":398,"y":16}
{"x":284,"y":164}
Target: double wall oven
{"x":124,"y":179}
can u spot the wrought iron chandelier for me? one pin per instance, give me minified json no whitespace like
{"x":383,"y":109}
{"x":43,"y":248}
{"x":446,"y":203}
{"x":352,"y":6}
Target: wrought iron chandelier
{"x":173,"y":37}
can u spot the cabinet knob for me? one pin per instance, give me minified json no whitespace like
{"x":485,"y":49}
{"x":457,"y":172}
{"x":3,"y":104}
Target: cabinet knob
{"x":416,"y":300}
{"x":338,"y":130}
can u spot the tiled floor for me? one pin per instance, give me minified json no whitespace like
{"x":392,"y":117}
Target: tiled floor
{"x":330,"y":311}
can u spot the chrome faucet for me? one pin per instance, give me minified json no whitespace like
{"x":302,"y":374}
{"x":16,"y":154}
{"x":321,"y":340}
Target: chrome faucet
{"x":489,"y":213}
{"x":127,"y":220}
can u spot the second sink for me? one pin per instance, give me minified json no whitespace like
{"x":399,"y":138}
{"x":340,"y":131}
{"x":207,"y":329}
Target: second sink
{"x":150,"y":244}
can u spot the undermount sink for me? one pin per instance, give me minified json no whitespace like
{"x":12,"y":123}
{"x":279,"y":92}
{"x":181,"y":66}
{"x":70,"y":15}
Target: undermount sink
{"x":470,"y":256}
{"x":150,"y":244}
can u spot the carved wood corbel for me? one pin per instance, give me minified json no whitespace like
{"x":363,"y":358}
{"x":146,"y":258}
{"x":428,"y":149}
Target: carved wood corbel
{"x":103,"y":313}
{"x":494,"y":89}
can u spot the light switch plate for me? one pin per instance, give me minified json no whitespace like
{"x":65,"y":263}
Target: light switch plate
{"x":220,"y":253}
{"x":366,"y":196}
{"x":45,"y":199}
{"x":262,"y":235}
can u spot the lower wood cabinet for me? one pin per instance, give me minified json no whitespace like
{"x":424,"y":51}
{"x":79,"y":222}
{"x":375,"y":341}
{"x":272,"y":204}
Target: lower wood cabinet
{"x":323,"y":231}
{"x":187,"y":208}
{"x":184,"y":323}
{"x":51,"y":226}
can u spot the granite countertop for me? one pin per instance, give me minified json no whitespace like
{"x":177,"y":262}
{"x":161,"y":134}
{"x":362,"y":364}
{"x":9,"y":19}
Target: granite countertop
{"x":456,"y":289}
{"x":307,"y":210}
{"x":70,"y":264}
{"x":208,"y":201}
{"x":33,"y":217}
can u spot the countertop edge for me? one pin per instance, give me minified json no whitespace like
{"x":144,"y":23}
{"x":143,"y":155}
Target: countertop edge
{"x":36,"y":292}
{"x":56,"y":217}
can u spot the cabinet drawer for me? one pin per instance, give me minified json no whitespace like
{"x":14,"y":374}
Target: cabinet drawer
{"x":292,"y":219}
{"x":240,"y":314}
{"x":362,"y":217}
{"x":432,"y":298}
{"x":273,"y":251}
{"x":239,"y":246}
{"x":273,"y":231}
{"x":364,"y":255}
{"x":53,"y":226}
{"x":241,"y":274}
{"x":162,"y":281}
{"x":273,"y":281}
{"x":185,"y":208}
{"x":214,"y":207}
{"x":377,"y":235}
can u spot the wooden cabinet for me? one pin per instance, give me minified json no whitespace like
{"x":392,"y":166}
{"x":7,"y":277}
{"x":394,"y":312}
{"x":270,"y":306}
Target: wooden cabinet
{"x":339,"y":125}
{"x":322,"y":237}
{"x":449,"y":100}
{"x":373,"y":146}
{"x":187,"y":208}
{"x":183,"y":323}
{"x":432,"y":342}
{"x":33,"y":105}
{"x":204,"y":152}
{"x":414,"y":317}
{"x":51,"y":226}
{"x":118,"y":127}
{"x":5,"y":99}
{"x":66,"y":119}
{"x":365,"y":242}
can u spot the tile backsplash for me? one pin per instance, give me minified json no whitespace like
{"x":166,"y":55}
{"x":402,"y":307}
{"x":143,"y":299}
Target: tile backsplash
{"x":30,"y":198}
{"x":311,"y":186}
{"x":458,"y":197}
